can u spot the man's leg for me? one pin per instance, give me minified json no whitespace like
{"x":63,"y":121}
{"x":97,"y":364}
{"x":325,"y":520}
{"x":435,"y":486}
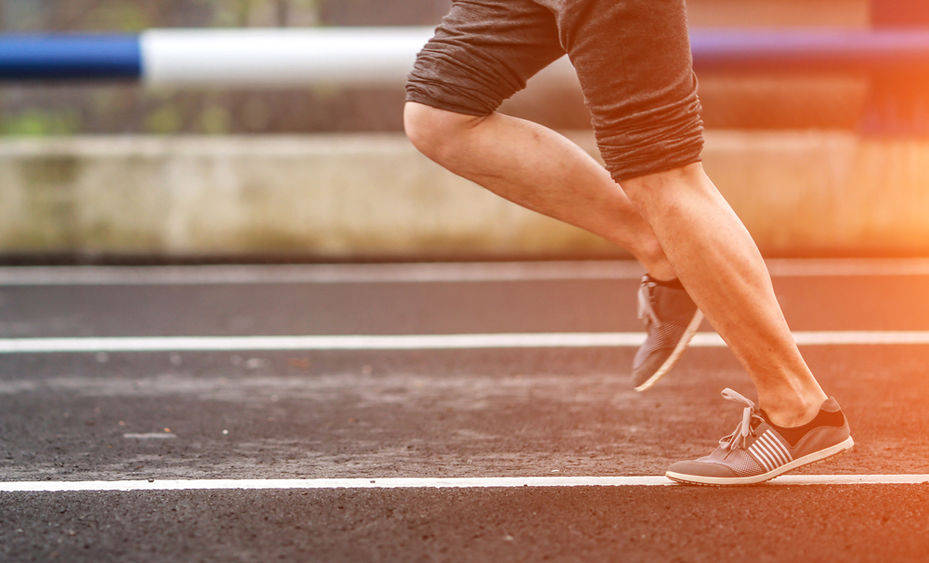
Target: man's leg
{"x":537,"y":168}
{"x":719,"y":264}
{"x":795,"y":423}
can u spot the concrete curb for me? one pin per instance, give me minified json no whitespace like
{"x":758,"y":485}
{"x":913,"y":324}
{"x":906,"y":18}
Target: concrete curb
{"x":357,"y":196}
{"x":825,"y":192}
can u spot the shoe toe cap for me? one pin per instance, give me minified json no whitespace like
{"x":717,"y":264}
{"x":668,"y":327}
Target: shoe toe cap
{"x":647,"y":362}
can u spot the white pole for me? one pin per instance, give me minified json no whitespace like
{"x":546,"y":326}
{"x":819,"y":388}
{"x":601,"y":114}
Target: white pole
{"x":357,"y":56}
{"x":263,"y":57}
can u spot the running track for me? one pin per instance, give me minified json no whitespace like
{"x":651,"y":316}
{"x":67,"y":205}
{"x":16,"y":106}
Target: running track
{"x":433,"y":412}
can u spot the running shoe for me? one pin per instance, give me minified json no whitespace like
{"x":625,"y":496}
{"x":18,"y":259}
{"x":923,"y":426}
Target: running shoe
{"x":757,"y":451}
{"x":671,"y":319}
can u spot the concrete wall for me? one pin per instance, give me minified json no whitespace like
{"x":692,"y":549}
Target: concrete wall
{"x":335,"y":197}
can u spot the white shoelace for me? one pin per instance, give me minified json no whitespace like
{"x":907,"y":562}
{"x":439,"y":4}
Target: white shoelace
{"x":646,"y":310}
{"x":739,"y":436}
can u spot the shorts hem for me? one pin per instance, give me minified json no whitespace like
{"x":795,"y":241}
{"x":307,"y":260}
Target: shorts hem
{"x":657,"y":169}
{"x":443,"y":105}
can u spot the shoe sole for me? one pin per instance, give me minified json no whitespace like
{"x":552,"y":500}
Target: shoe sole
{"x":814,"y":457}
{"x":662,"y":370}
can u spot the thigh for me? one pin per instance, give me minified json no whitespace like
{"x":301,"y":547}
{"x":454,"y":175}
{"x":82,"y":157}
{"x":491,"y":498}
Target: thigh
{"x":634,"y":62}
{"x":482,"y":53}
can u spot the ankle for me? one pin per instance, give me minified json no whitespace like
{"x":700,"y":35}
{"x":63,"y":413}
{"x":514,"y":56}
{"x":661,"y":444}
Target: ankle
{"x":793,"y":409}
{"x":657,"y":264}
{"x":671,"y":284}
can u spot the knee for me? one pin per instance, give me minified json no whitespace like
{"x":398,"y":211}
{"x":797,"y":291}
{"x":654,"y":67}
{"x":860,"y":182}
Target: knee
{"x":668,"y":190}
{"x":436,"y":132}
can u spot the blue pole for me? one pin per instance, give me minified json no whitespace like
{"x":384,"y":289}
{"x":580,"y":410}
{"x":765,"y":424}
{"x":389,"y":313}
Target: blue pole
{"x":810,"y":50}
{"x":899,"y":13}
{"x":71,"y":57}
{"x":898,"y":103}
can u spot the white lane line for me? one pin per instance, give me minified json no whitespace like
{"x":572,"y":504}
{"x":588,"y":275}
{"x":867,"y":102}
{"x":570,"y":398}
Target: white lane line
{"x":320,"y":273}
{"x":859,"y":337}
{"x":418,"y":272}
{"x":150,"y":436}
{"x":407,"y":483}
{"x":419,"y":341}
{"x":848,"y":267}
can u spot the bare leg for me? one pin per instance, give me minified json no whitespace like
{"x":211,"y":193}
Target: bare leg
{"x":720,"y":266}
{"x":710,"y":249}
{"x":537,"y":168}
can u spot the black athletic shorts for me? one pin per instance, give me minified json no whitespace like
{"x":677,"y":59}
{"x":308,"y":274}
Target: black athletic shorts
{"x":632,"y":57}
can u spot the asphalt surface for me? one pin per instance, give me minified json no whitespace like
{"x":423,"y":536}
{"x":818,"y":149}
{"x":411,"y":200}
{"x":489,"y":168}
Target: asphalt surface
{"x":439,"y":413}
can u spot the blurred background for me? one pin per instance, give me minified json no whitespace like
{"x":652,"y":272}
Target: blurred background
{"x":122,"y":171}
{"x":741,"y":101}
{"x":76,"y":108}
